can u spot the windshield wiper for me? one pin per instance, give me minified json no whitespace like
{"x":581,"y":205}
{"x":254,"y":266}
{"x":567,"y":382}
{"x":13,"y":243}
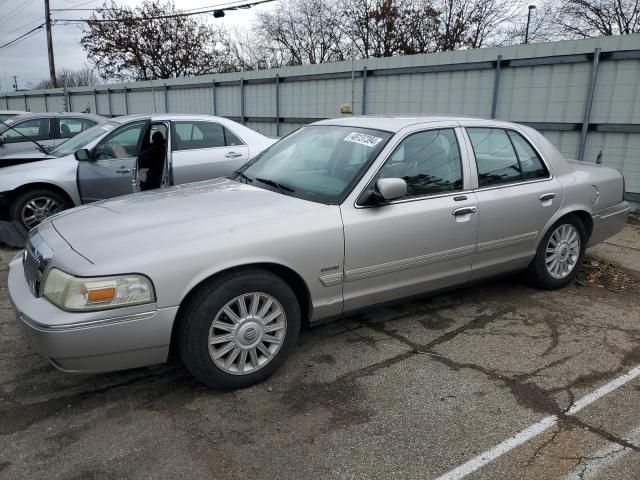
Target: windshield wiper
{"x":273,"y":183}
{"x":240,"y":174}
{"x":40,"y":147}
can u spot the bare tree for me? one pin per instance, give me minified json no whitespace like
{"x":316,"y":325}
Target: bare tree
{"x":474,"y":23}
{"x":249,"y":52}
{"x":151,"y":42}
{"x":74,"y":78}
{"x":382,"y":28}
{"x":305,"y":32}
{"x":593,"y":18}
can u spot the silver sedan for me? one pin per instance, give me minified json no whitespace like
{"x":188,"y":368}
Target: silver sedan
{"x":124,"y":155}
{"x":340,"y":216}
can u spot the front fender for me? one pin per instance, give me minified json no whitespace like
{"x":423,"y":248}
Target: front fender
{"x":58,"y":173}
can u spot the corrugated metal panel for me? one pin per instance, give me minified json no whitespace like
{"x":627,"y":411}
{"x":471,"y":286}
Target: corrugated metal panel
{"x":540,"y":83}
{"x":81,"y":103}
{"x":103,"y":104}
{"x":617,"y":95}
{"x":619,"y":150}
{"x":228,"y":101}
{"x":55,"y":103}
{"x":260,"y":100}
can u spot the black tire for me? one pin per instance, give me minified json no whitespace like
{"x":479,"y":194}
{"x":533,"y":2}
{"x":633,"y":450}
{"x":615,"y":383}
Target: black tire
{"x":198,"y":314}
{"x":20,"y":202}
{"x":537,"y":273}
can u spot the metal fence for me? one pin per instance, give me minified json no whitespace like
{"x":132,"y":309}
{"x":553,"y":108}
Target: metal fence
{"x":583,"y":95}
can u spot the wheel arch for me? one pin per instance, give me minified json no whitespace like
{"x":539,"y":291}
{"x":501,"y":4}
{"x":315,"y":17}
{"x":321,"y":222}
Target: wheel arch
{"x":292,"y":278}
{"x":583,"y":214}
{"x":35,"y":185}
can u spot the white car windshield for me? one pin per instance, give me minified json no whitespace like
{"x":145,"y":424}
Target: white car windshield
{"x":83,"y":139}
{"x":320,"y":163}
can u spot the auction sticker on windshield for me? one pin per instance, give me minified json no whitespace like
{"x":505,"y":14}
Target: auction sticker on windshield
{"x":363,"y":139}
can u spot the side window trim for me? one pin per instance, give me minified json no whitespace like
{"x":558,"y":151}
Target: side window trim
{"x":466,"y":189}
{"x":474,"y":163}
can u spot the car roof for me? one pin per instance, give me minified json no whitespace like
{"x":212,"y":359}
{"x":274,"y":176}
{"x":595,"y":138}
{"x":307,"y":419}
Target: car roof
{"x":27,"y":115}
{"x":16,"y":112}
{"x":168,"y":116}
{"x":395,"y":123}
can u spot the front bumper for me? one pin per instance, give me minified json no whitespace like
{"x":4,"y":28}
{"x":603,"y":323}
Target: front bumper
{"x":91,"y":342}
{"x":608,"y":222}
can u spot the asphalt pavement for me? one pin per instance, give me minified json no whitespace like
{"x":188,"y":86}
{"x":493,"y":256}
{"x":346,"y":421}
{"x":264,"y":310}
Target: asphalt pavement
{"x":497,"y":381}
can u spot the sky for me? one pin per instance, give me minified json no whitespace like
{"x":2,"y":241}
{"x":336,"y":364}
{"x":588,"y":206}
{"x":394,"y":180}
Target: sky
{"x":28,"y":59}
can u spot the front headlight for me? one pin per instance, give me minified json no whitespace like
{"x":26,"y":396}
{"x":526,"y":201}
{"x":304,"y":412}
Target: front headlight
{"x":79,"y":294}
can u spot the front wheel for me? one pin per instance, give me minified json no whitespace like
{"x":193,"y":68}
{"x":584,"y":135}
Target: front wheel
{"x":238,"y":329}
{"x":31,"y":207}
{"x":559,"y":254}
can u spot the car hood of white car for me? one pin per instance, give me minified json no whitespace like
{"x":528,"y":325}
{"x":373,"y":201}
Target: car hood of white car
{"x":167,"y":219}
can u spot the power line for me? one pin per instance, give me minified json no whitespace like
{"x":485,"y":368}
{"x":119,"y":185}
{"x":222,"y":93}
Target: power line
{"x":24,"y":36}
{"x":236,"y":5}
{"x":18,"y":9}
{"x":6,"y":34}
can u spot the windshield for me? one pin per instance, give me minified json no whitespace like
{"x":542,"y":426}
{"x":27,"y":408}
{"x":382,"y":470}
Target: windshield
{"x":82,"y":139}
{"x":320,"y":163}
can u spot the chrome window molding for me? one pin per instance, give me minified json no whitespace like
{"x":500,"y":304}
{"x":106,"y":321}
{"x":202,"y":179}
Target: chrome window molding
{"x":455,"y":193}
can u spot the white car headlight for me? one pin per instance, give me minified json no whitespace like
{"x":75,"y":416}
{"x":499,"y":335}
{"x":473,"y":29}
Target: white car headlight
{"x":79,"y":294}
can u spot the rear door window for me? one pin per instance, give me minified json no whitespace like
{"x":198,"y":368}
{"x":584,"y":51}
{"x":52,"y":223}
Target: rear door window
{"x":504,"y":156}
{"x":531,"y":164}
{"x":194,"y":135}
{"x":69,"y":127}
{"x":496,"y":159}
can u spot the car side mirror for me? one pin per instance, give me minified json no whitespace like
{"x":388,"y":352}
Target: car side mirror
{"x":391,"y":188}
{"x":82,"y":155}
{"x":387,"y":189}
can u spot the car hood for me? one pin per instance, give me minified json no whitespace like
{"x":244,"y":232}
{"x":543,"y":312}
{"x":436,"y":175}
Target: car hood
{"x":130,"y":226}
{"x":23,"y":157}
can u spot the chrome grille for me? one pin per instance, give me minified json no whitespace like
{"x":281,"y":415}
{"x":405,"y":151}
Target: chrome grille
{"x":32,"y":271}
{"x":34,"y":261}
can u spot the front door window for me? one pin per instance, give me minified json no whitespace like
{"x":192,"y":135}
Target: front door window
{"x":122,"y":144}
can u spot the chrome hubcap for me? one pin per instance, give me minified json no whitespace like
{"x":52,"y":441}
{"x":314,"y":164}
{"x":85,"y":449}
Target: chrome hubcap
{"x":247,"y":333}
{"x":562,"y":251}
{"x":37,"y":209}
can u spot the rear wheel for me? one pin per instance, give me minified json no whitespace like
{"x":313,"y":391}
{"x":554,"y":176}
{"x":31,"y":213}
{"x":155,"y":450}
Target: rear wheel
{"x":559,"y":254}
{"x":31,"y":207}
{"x":238,"y":330}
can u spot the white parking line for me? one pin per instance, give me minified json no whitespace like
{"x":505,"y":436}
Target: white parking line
{"x":535,"y":429}
{"x":603,"y":458}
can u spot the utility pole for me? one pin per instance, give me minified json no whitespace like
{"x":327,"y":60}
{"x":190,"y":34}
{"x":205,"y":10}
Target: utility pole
{"x":52,"y":65}
{"x":526,"y":33}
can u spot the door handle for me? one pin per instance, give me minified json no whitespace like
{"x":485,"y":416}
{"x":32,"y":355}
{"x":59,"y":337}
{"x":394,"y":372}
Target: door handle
{"x":233,"y":155}
{"x":123,"y":170}
{"x":547,"y":196}
{"x":464,"y":210}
